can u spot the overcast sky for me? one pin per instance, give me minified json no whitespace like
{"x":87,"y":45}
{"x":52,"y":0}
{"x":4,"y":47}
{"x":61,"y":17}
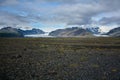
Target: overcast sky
{"x":49,"y":15}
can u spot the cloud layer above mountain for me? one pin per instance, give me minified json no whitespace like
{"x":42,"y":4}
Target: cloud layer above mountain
{"x":44,"y":13}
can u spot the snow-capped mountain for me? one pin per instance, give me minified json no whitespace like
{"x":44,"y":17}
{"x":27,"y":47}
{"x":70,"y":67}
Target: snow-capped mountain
{"x":94,"y":30}
{"x":76,"y":31}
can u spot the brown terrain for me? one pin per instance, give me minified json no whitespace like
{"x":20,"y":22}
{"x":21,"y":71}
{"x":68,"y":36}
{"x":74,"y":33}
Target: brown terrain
{"x":59,"y":58}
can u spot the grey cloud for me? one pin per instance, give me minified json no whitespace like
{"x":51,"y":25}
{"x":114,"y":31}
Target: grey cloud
{"x":71,"y":1}
{"x":78,"y":14}
{"x":2,"y":1}
{"x":81,"y":14}
{"x":111,"y":4}
{"x":8,"y":2}
{"x":110,"y":20}
{"x":7,"y":19}
{"x":70,"y":12}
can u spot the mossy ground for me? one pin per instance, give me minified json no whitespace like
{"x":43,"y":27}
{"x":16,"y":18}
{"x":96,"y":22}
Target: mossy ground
{"x":59,"y":58}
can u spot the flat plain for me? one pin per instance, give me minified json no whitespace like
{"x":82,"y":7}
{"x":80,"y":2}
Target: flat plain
{"x":59,"y":58}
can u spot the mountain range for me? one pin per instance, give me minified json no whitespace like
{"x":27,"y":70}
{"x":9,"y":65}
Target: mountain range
{"x":67,"y":32}
{"x":33,"y":31}
{"x":14,"y":32}
{"x":75,"y":32}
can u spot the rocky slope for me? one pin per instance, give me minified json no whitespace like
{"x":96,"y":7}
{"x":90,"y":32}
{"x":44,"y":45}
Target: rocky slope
{"x":14,"y":32}
{"x":94,"y":30}
{"x":33,"y":31}
{"x":72,"y":32}
{"x":114,"y":32}
{"x":10,"y":32}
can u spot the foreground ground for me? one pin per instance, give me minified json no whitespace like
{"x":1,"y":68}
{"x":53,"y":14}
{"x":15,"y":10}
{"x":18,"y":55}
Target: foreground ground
{"x":60,"y":59}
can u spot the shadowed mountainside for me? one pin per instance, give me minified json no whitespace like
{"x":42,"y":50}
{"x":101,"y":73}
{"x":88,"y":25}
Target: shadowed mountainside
{"x":10,"y":32}
{"x":72,"y":32}
{"x":114,"y":32}
{"x":33,"y":31}
{"x":13,"y":32}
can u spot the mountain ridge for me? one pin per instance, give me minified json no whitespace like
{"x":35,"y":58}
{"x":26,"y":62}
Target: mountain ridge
{"x":75,"y":32}
{"x":114,"y":32}
{"x":14,"y":32}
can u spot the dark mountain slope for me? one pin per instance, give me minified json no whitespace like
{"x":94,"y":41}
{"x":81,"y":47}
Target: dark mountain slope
{"x":10,"y":32}
{"x":71,"y":32}
{"x":114,"y":32}
{"x":14,"y":32}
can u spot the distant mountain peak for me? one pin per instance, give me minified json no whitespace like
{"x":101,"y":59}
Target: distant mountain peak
{"x":70,"y":32}
{"x":14,"y":32}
